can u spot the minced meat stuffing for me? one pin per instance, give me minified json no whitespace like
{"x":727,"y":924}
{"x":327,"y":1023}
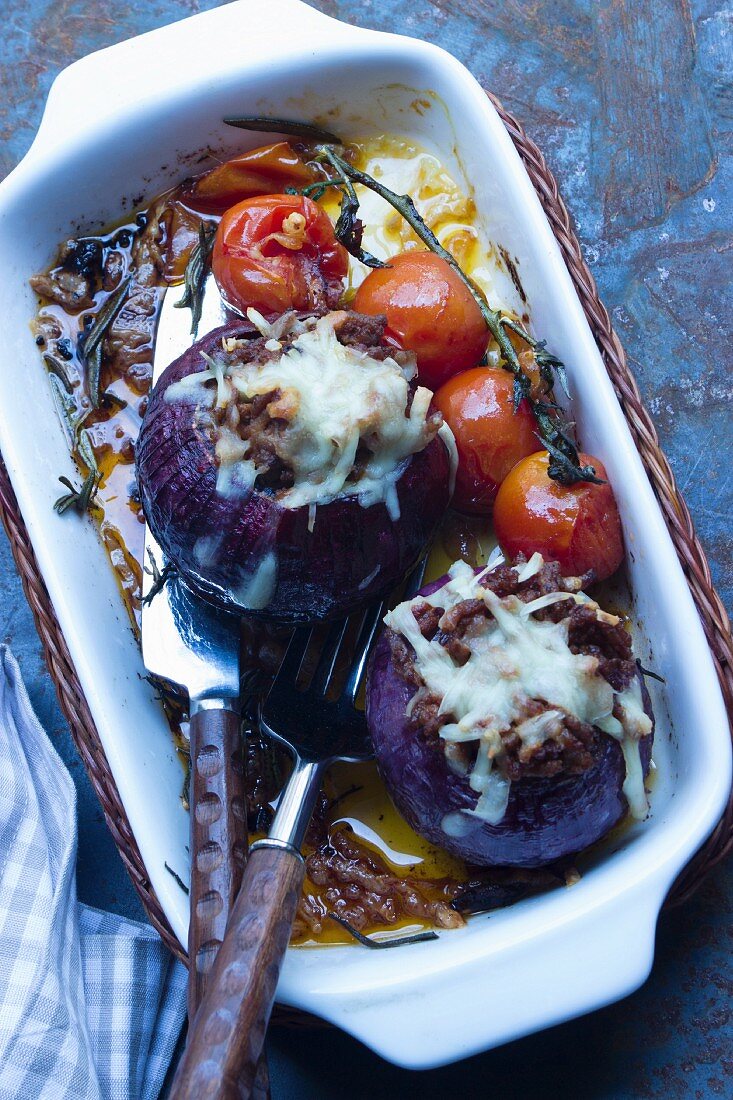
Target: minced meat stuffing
{"x":570,"y":745}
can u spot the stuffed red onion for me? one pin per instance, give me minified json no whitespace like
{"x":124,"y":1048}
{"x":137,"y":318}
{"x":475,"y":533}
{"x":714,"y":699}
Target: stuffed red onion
{"x":508,"y":716}
{"x":293,"y":470}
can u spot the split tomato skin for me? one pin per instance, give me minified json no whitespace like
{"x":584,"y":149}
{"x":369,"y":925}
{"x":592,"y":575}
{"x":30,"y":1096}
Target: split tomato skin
{"x":576,"y":525}
{"x":429,"y":310}
{"x":266,"y":170}
{"x":491,"y":437}
{"x":278,"y":252}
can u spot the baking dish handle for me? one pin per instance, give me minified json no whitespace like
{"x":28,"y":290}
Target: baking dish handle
{"x":90,"y":92}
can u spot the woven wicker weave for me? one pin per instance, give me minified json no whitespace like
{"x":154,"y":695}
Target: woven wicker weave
{"x":676,"y":514}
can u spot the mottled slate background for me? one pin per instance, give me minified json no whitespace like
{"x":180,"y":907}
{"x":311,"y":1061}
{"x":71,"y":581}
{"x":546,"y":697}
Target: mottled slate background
{"x":632,"y":103}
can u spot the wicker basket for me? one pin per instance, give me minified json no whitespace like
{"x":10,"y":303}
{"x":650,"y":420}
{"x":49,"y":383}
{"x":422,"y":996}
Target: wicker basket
{"x":676,"y":514}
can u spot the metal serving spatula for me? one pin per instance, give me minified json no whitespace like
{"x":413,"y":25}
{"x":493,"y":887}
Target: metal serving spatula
{"x":320,"y":723}
{"x":187,"y":642}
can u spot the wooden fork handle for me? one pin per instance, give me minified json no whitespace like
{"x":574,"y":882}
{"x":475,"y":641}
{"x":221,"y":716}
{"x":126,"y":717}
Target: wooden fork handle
{"x":218,"y":838}
{"x":228,"y":1033}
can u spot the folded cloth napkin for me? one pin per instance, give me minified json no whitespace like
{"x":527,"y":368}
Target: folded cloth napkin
{"x":91,"y":1004}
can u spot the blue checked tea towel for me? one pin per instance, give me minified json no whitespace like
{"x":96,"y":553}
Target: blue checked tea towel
{"x":91,"y":1004}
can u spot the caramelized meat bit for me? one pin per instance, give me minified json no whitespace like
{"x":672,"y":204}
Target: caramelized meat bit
{"x":568,"y":749}
{"x":425,"y":716}
{"x":356,"y":330}
{"x":458,"y":650}
{"x":610,"y":643}
{"x":73,"y":282}
{"x":66,"y":288}
{"x":402,"y":655}
{"x":427,"y":618}
{"x":464,"y":619}
{"x":358,"y":886}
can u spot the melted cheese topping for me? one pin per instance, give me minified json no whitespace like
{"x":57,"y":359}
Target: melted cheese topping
{"x":334,"y":398}
{"x":514,"y":661}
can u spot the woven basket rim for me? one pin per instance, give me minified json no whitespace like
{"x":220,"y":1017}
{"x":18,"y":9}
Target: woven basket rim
{"x":674,"y":509}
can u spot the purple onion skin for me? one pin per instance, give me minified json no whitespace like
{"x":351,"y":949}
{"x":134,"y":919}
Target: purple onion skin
{"x":353,"y":554}
{"x":545,"y":820}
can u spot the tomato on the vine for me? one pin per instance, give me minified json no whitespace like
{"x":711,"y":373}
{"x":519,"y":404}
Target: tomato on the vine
{"x":491,"y":437}
{"x":278,"y":252}
{"x":576,"y":525}
{"x":429,"y":310}
{"x":267,"y":170}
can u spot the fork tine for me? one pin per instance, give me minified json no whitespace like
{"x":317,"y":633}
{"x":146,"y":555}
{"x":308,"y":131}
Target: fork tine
{"x":370,"y":622}
{"x":414,"y":580}
{"x":293,"y":659}
{"x":327,"y":659}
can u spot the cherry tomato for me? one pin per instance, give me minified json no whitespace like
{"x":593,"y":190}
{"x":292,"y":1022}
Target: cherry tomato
{"x":278,"y":252}
{"x":575,"y":525}
{"x":429,"y":311}
{"x":490,"y":436}
{"x":264,"y":171}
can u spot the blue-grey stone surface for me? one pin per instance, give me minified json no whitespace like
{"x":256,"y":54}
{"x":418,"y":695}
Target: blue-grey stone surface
{"x":632,"y":103}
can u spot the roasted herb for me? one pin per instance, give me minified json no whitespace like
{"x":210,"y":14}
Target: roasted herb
{"x":367,"y":941}
{"x":316,"y":191}
{"x":648,"y":672}
{"x":178,"y":878}
{"x":54,"y":366}
{"x":549,"y":364}
{"x":67,"y":407}
{"x":499,"y":887}
{"x":160,"y":577}
{"x":95,"y":337}
{"x":81,"y":500}
{"x":284,"y":126}
{"x":197,"y":270}
{"x":339,"y":798}
{"x":78,"y":499}
{"x":565,"y":464}
{"x":349,"y":228}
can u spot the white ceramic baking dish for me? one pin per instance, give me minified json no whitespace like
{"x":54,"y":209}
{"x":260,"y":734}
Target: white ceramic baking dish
{"x":119,"y":127}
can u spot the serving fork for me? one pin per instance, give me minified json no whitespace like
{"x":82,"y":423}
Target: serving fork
{"x":315,"y":713}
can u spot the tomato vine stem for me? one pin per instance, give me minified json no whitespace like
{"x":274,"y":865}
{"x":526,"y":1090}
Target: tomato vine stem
{"x":565,"y":465}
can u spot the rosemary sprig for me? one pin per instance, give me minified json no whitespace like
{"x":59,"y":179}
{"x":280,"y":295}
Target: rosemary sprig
{"x":549,"y":364}
{"x":316,"y":191}
{"x":56,"y":367}
{"x":178,"y":878}
{"x":78,"y":499}
{"x":160,"y":578}
{"x":349,"y":228}
{"x":565,"y":464}
{"x":380,"y":945}
{"x":94,"y":339}
{"x":284,"y":126}
{"x":197,"y":270}
{"x":86,"y":450}
{"x":67,"y":408}
{"x":648,"y":672}
{"x":81,"y":500}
